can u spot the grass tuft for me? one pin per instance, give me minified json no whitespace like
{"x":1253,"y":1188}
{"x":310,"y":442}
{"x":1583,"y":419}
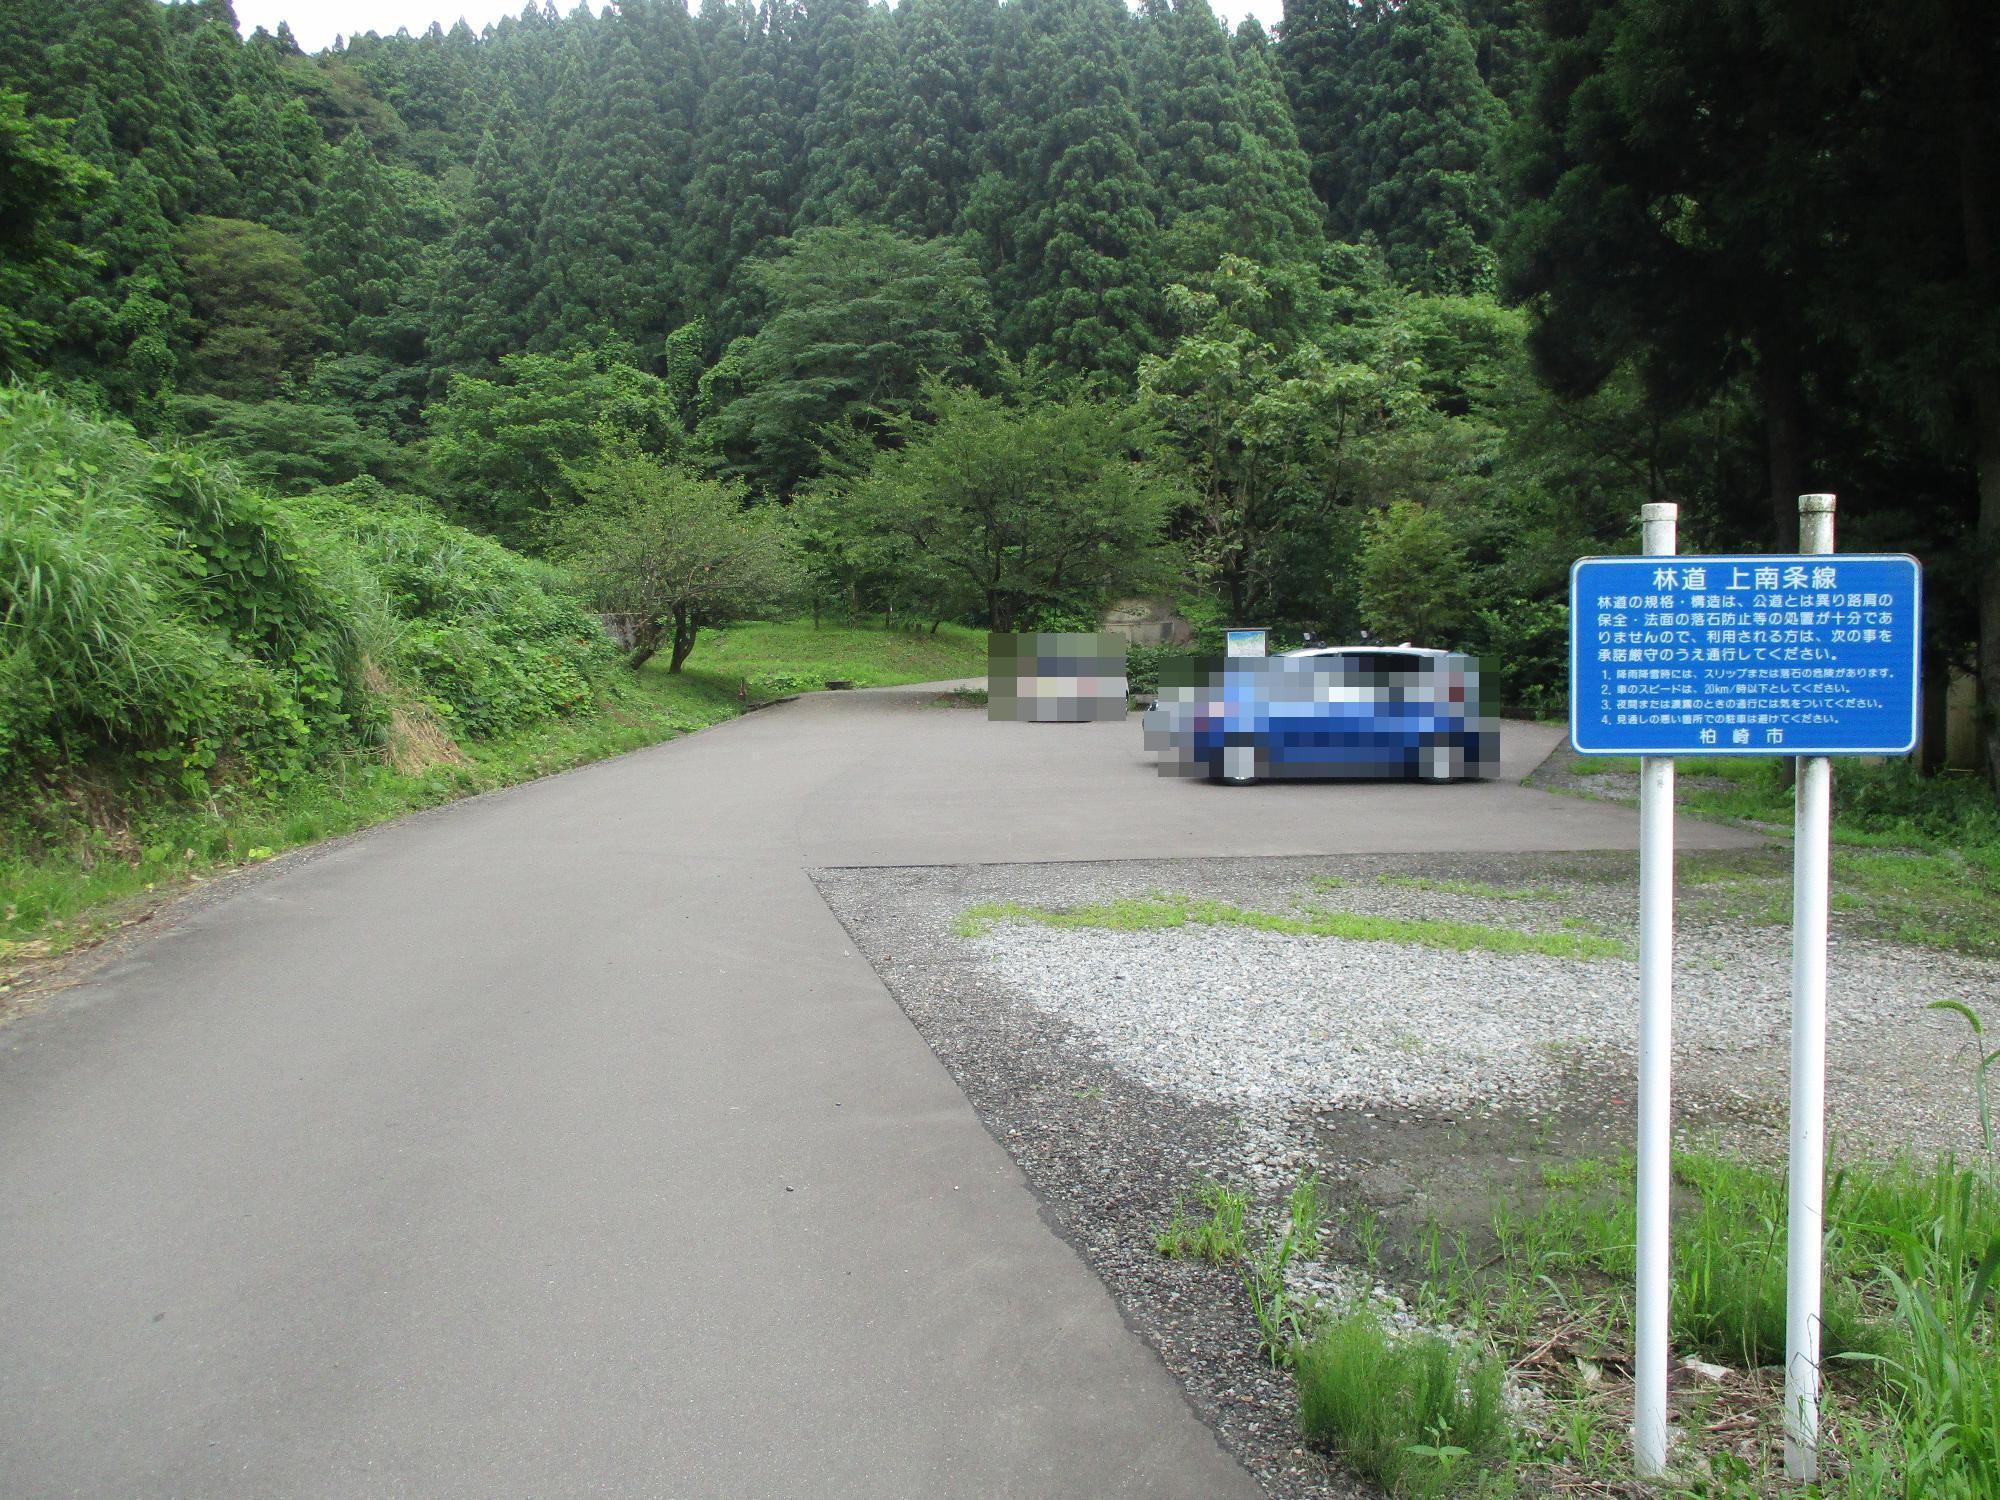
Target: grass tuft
{"x":1217,"y":1239}
{"x":1417,"y":1415}
{"x":1154,"y":913}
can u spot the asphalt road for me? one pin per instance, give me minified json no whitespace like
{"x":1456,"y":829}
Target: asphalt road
{"x":558,"y":1144}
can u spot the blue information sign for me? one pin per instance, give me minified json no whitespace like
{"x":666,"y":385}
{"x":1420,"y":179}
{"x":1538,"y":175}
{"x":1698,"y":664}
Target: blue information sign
{"x":1811,"y":655}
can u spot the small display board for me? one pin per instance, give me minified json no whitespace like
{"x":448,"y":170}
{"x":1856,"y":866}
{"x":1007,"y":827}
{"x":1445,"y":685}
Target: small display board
{"x":1246,"y":642}
{"x":1804,"y":655}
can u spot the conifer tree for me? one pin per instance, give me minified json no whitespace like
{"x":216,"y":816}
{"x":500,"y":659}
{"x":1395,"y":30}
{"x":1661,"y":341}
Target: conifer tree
{"x":934,"y":134}
{"x":1226,"y":185}
{"x":45,"y":186}
{"x":267,"y":184}
{"x":605,"y":249}
{"x":122,"y":326}
{"x":32,"y":33}
{"x":487,"y":272}
{"x":365,"y":257}
{"x":1421,"y":180}
{"x":746,"y":156}
{"x":1088,"y":283}
{"x":849,"y":166}
{"x":1318,"y":44}
{"x":116,"y":51}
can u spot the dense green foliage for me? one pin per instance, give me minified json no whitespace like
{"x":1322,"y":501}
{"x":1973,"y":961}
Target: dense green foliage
{"x":998,"y":507}
{"x":1513,"y":268}
{"x":158,"y":612}
{"x":857,"y":317}
{"x":671,"y":551}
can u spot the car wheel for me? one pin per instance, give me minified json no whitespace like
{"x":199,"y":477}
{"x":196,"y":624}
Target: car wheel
{"x":1239,"y":764}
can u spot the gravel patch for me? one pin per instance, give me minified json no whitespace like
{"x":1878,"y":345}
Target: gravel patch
{"x":1262,"y":1021}
{"x":1122,"y":1067}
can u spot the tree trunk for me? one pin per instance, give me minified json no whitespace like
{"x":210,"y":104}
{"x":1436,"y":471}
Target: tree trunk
{"x":1784,"y":439}
{"x":1972,"y":38}
{"x":645,"y":642}
{"x":1986,"y":413}
{"x":683,"y":637}
{"x":1935,"y":724}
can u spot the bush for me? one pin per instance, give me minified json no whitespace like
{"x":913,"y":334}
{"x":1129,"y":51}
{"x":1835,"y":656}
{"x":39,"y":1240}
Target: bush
{"x":1144,"y":664}
{"x":1523,"y":650}
{"x":766,"y":685}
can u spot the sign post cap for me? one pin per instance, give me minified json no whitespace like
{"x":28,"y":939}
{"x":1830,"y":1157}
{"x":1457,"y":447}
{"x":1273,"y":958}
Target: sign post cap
{"x":1816,"y":505}
{"x":1661,"y":510}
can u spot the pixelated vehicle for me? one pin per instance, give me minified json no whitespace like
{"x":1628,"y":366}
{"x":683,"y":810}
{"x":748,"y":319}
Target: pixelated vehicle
{"x":1325,"y":712}
{"x":1055,"y":677}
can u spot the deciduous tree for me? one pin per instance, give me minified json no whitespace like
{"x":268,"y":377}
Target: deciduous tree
{"x":672,"y":551}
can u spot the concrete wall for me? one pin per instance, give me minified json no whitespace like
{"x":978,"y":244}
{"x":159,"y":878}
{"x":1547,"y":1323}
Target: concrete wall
{"x":1148,"y":622}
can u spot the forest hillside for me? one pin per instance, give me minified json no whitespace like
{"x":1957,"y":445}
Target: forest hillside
{"x":1376,"y":323}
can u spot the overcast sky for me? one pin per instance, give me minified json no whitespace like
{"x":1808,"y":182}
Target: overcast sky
{"x":316,"y":22}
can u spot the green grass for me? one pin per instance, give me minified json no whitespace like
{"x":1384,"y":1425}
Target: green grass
{"x":1417,"y":1414}
{"x":1153,"y":913}
{"x":1908,"y":1309}
{"x":1743,"y":768}
{"x":1216,"y":1239}
{"x":1468,"y":888}
{"x":776,"y":658}
{"x":52,"y":900}
{"x":1914,"y":859}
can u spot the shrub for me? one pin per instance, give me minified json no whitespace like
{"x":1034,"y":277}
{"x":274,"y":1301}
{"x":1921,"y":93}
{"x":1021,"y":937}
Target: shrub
{"x":1143,"y":665}
{"x":784,"y":684}
{"x":1523,"y":650}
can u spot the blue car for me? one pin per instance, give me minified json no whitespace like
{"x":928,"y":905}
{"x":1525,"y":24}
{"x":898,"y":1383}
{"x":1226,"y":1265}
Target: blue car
{"x":1326,"y":712}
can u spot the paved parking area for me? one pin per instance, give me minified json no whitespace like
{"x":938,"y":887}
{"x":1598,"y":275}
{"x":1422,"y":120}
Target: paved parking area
{"x":559,"y":1143}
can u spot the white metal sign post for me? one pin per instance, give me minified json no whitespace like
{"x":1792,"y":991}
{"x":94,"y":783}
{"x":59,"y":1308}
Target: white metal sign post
{"x":1659,"y":525}
{"x":1805,"y":1226}
{"x":1806,"y":655}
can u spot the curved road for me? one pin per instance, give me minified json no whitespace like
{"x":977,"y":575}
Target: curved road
{"x":557,"y":1143}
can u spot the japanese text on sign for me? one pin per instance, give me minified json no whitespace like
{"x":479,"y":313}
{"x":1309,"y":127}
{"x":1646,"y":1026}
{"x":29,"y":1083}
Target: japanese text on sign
{"x":1744,"y":655}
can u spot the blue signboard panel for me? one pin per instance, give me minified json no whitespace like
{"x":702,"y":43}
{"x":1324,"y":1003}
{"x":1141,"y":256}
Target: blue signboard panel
{"x":1813,"y":655}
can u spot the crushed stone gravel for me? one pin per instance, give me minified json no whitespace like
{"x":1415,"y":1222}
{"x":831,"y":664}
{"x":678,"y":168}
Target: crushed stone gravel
{"x":1122,"y":1067}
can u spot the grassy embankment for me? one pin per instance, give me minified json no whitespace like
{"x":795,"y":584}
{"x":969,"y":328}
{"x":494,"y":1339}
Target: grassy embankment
{"x":195,"y":673}
{"x":52,"y":899}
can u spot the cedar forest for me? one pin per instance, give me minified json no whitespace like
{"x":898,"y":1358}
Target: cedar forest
{"x":954,"y":311}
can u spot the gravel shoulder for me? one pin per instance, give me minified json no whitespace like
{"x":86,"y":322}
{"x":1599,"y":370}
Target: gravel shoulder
{"x":1120,"y":1067}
